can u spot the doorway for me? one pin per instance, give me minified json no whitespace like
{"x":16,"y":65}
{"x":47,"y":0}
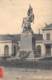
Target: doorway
{"x":6,"y":51}
{"x":48,"y":50}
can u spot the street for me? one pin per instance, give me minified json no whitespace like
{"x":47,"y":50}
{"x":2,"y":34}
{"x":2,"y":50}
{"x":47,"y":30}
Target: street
{"x":26,"y":74}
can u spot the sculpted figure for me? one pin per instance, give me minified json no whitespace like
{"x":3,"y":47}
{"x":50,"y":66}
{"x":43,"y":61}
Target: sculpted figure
{"x":28,"y":20}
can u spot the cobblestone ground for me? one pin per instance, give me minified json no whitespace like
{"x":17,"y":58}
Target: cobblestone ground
{"x":26,"y":74}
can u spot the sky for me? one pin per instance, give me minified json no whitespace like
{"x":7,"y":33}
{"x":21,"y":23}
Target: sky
{"x":12,"y":13}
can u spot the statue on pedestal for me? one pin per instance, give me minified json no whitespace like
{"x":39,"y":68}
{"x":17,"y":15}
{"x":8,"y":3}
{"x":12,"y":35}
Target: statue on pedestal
{"x":26,"y":50}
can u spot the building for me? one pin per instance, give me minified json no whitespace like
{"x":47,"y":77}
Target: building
{"x":45,"y":42}
{"x":8,"y":45}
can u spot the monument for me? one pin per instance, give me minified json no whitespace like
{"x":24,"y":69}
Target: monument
{"x":26,"y":36}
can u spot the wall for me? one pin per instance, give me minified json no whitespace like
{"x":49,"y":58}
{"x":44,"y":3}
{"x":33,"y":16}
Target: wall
{"x":2,"y":45}
{"x":45,"y":32}
{"x":47,"y":41}
{"x":42,"y":47}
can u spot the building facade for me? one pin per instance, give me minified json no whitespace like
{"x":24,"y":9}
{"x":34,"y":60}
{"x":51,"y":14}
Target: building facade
{"x":8,"y":45}
{"x":45,"y":43}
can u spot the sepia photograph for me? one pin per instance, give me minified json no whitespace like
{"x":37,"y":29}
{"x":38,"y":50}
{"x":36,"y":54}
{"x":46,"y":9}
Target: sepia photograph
{"x":25,"y":39}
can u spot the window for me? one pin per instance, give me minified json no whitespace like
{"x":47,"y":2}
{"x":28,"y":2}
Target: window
{"x":6,"y":51}
{"x":48,"y":36}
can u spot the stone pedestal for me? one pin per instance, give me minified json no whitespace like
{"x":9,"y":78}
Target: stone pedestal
{"x":26,"y":45}
{"x":26,"y":42}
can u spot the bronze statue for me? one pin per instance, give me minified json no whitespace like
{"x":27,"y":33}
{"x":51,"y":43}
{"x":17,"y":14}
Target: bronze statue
{"x":28,"y":20}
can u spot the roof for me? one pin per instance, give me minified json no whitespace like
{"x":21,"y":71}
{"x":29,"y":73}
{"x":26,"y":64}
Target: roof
{"x":48,"y":27}
{"x":38,"y":37}
{"x":15,"y":37}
